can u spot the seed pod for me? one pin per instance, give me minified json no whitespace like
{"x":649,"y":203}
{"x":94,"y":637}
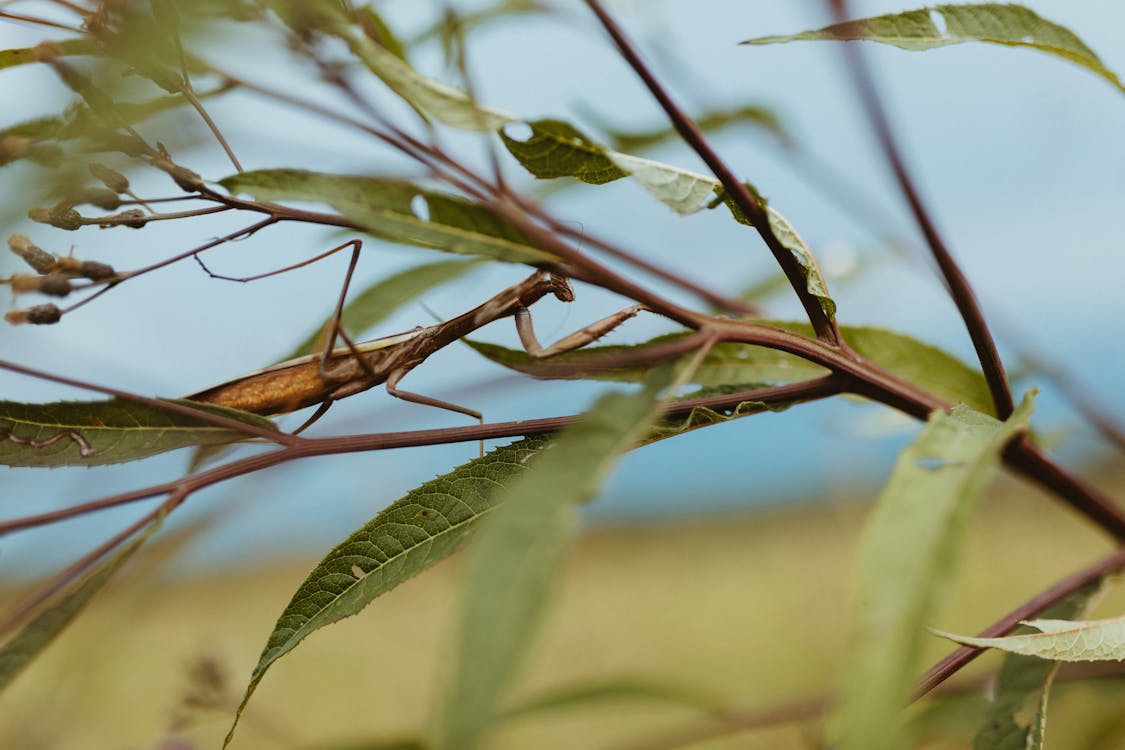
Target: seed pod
{"x":39,"y":315}
{"x":35,"y":256}
{"x":187,"y":180}
{"x":111,"y":178}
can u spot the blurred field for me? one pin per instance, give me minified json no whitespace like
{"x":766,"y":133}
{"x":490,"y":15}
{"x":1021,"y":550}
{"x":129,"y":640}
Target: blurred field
{"x":749,"y":611}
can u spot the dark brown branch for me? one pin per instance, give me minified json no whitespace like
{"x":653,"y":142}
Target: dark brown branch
{"x":824,"y":326}
{"x":957,"y":283}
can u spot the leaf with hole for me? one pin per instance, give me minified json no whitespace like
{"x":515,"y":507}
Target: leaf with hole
{"x":942,"y":25}
{"x":518,"y":553}
{"x":430,"y":523}
{"x":397,"y":211}
{"x":95,"y":433}
{"x":905,"y":558}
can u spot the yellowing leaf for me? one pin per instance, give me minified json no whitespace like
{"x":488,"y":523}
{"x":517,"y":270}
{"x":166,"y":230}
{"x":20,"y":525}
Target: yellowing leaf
{"x":995,"y":23}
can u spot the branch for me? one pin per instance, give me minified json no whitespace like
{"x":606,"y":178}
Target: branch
{"x":825,"y":327}
{"x":955,"y":280}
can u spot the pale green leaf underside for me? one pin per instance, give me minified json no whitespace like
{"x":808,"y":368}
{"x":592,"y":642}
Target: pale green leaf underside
{"x":398,"y":211}
{"x":1059,"y":640}
{"x":384,"y":297}
{"x":906,"y":555}
{"x":18,"y":651}
{"x":730,"y":363}
{"x":1017,"y":715}
{"x":108,"y":432}
{"x":518,"y":554}
{"x":558,"y":149}
{"x":994,"y":23}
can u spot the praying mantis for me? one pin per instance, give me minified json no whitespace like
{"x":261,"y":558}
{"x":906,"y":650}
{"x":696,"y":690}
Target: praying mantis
{"x":322,"y":379}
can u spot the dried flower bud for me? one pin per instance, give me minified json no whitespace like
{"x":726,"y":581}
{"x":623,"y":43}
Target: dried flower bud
{"x":187,"y":180}
{"x":61,"y":216}
{"x":96,"y":271}
{"x":111,"y":178}
{"x":39,"y":315}
{"x":35,"y":256}
{"x":53,"y":285}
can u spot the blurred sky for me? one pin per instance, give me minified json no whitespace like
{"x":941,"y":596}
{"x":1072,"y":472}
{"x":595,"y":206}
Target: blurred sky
{"x":1016,"y":152}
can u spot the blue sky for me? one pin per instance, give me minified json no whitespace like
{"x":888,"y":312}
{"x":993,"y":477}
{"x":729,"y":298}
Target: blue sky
{"x":1017,"y":154}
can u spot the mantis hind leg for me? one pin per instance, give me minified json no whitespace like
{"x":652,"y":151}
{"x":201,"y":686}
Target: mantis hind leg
{"x":418,"y":398}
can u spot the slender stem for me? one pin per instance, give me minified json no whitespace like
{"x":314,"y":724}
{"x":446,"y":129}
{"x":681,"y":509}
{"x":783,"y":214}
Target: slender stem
{"x":38,"y":21}
{"x":963,"y":655}
{"x":809,"y":390}
{"x":825,"y":327}
{"x":955,"y":280}
{"x":199,"y":108}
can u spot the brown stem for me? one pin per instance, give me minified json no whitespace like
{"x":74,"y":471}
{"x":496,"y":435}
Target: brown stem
{"x":957,"y":283}
{"x":824,"y":326}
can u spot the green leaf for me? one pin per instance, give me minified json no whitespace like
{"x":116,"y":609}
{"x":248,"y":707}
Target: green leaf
{"x":10,"y":58}
{"x":558,"y":149}
{"x":95,"y":433}
{"x":1017,"y":715}
{"x":441,"y":101}
{"x":905,"y":558}
{"x":37,"y":634}
{"x":730,"y":363}
{"x":514,"y":561}
{"x":1060,"y":640}
{"x":612,"y":691}
{"x":725,"y":364}
{"x":384,"y":297}
{"x":994,"y":23}
{"x":428,"y":524}
{"x":398,"y":211}
{"x":421,"y":529}
{"x":709,"y":122}
{"x":702,"y":416}
{"x":376,"y":29}
{"x":475,"y":19}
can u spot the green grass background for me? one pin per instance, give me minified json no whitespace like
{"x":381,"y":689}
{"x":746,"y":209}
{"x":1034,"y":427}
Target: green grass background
{"x":749,"y":611}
